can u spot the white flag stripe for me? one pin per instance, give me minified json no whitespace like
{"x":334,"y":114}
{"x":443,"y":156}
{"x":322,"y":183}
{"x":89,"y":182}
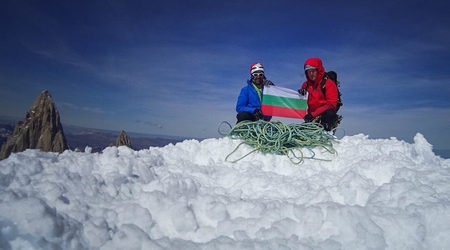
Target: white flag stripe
{"x":282,"y":92}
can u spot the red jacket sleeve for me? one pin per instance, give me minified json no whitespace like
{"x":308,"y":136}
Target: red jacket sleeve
{"x":304,"y":85}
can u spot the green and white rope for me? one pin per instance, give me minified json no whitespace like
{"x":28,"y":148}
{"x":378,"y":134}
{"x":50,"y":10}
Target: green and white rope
{"x":278,"y":138}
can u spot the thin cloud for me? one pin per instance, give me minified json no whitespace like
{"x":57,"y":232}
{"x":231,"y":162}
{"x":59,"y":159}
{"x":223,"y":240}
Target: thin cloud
{"x":84,"y":109}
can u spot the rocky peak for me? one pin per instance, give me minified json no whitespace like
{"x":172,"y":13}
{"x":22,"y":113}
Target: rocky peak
{"x":123,"y":140}
{"x":41,"y":129}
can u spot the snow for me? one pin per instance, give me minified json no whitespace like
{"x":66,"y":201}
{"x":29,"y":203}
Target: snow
{"x":372,"y":194}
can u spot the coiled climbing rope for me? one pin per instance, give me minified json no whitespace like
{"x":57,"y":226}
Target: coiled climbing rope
{"x":276,"y":137}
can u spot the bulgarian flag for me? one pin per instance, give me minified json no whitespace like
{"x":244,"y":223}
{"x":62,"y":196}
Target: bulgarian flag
{"x":283,"y":102}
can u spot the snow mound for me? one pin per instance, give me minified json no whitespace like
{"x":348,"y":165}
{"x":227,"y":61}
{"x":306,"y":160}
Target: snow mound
{"x":372,"y":194}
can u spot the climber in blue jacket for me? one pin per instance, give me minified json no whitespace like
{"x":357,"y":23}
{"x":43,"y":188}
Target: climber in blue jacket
{"x":249,"y":101}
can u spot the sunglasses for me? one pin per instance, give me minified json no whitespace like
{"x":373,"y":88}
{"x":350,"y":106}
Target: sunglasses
{"x":258,"y":74}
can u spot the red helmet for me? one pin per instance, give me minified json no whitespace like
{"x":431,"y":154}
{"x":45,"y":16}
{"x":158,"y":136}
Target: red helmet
{"x":256,"y":67}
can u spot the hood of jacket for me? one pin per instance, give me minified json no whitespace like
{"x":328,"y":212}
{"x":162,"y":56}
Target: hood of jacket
{"x":316,"y":63}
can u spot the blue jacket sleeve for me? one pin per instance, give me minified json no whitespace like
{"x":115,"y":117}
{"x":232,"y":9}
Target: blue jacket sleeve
{"x":244,"y":102}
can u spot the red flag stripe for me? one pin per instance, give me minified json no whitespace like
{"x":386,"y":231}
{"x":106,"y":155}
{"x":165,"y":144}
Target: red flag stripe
{"x":282,"y":111}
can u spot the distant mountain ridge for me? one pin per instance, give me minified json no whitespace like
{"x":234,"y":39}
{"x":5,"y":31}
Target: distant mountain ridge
{"x":98,"y":139}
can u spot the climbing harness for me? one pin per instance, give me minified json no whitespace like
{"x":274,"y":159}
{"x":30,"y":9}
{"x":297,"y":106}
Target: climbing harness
{"x":275,"y":137}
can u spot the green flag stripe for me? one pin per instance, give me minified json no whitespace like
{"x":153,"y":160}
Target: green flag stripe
{"x":284,"y":102}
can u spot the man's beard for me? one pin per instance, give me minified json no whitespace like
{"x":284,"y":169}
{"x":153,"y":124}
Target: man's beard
{"x":258,"y":82}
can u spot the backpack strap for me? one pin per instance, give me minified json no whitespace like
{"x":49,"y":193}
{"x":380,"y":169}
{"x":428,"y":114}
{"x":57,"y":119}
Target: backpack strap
{"x":322,"y":84}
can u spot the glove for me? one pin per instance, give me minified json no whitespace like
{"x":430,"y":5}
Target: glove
{"x":258,"y":114}
{"x":308,"y":118}
{"x":302,"y":91}
{"x":267,"y":82}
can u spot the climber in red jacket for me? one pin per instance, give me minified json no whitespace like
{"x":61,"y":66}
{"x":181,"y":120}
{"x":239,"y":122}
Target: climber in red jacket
{"x":322,"y":105}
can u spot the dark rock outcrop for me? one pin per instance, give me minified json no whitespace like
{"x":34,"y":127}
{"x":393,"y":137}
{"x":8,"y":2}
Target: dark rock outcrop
{"x":123,"y":140}
{"x":41,"y":129}
{"x":5,"y":131}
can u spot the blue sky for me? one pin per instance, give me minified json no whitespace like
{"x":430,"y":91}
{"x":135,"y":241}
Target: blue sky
{"x":176,"y":67}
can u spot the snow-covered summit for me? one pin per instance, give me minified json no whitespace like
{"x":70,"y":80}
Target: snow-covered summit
{"x":373,"y":194}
